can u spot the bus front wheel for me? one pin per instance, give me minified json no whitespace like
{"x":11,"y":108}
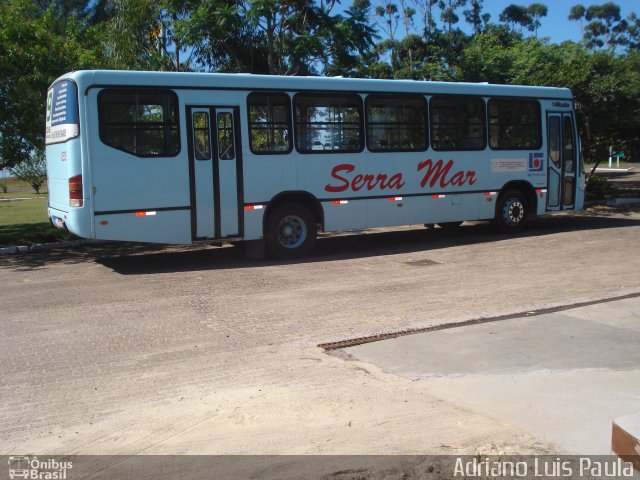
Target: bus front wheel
{"x":511,"y":212}
{"x":290,"y":231}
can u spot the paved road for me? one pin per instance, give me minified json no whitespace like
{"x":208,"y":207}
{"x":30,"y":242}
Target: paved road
{"x":564,"y":376}
{"x":132,"y":349}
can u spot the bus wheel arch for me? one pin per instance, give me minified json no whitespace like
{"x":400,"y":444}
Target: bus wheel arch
{"x":291,"y":223}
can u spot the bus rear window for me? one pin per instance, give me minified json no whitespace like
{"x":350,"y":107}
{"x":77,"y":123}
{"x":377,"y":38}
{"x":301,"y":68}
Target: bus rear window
{"x":141,"y":122}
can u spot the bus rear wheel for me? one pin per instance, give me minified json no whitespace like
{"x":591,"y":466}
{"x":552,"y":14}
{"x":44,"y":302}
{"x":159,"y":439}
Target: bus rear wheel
{"x":511,"y":212}
{"x":290,"y":231}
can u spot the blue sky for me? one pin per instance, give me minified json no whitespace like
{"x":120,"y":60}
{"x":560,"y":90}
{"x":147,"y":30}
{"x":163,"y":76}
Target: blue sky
{"x":555,"y":25}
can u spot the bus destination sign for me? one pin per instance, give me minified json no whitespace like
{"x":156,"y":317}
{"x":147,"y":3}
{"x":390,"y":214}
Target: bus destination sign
{"x":62,"y":112}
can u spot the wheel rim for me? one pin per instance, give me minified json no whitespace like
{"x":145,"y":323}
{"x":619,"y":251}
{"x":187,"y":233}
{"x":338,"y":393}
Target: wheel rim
{"x":513,"y":211}
{"x":292,"y":231}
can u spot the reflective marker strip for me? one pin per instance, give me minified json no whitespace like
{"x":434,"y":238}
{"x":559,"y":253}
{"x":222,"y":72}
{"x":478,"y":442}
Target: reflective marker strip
{"x":394,"y":199}
{"x":340,"y":202}
{"x":253,"y":207}
{"x":437,"y":196}
{"x":541,"y":190}
{"x":490,"y":193}
{"x":145,"y":214}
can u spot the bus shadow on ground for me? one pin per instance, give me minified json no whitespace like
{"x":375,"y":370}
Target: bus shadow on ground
{"x":145,"y":259}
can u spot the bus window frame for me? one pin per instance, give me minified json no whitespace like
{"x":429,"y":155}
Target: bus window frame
{"x":289,"y":122}
{"x":392,"y":97}
{"x":538,"y":146}
{"x":325,"y":94}
{"x":143,"y":90}
{"x":455,"y":96}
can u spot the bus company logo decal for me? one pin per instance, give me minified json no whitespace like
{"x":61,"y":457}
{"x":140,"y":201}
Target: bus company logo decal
{"x":536,"y":162}
{"x":21,"y":466}
{"x":438,"y":173}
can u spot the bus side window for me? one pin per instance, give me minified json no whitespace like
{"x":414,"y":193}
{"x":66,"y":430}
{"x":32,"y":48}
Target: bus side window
{"x":554,"y":140}
{"x":269,"y":122}
{"x":514,"y":124}
{"x":225,"y":136}
{"x":567,"y":144}
{"x":457,"y":122}
{"x":143,"y":122}
{"x":328,"y":123}
{"x":201,"y":135}
{"x":396,"y":123}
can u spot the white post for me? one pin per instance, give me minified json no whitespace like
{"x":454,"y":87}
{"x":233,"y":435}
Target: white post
{"x":610,"y":154}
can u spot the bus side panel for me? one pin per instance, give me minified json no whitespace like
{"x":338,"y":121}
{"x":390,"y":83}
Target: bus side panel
{"x":351,"y":215}
{"x":146,"y":226}
{"x":123,"y":183}
{"x":395,"y":211}
{"x":451,"y":208}
{"x":253,"y":224}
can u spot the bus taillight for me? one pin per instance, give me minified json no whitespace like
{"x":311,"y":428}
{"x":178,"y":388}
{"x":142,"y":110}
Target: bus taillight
{"x":75,"y":191}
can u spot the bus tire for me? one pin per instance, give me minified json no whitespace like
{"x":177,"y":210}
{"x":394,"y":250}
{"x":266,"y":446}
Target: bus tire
{"x":511,"y":212}
{"x":290,"y":231}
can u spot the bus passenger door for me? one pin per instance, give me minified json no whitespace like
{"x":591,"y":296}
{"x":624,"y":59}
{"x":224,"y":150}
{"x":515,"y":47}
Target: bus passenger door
{"x":203,"y":204}
{"x":214,"y":158}
{"x":561,"y":136}
{"x":228,"y":159}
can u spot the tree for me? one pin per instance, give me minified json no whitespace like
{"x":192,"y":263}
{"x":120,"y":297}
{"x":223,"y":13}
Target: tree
{"x":425,"y":7}
{"x":475,"y":17}
{"x":448,"y":11}
{"x":633,"y":31}
{"x":32,"y":170}
{"x":223,"y":39}
{"x":516,"y":15}
{"x":132,"y":37}
{"x":349,"y":41}
{"x":536,"y":11}
{"x":35,"y":48}
{"x":605,"y":27}
{"x":577,"y":13}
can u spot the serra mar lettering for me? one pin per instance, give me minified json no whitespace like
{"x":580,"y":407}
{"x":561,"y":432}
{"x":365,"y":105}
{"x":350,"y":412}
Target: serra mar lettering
{"x":433,"y":173}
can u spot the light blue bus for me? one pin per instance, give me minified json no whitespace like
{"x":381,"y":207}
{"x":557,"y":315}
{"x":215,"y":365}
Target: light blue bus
{"x":190,"y":157}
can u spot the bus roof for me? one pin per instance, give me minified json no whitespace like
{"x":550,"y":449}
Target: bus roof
{"x":243,"y":81}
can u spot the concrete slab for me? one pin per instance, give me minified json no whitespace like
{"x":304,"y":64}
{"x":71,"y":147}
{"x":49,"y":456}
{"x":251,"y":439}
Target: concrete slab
{"x":563,"y":377}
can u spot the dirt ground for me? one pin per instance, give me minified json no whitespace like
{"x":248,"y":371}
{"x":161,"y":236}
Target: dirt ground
{"x":132,"y":349}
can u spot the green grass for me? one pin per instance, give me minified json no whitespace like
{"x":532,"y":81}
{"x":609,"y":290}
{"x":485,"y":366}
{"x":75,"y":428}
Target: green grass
{"x":24,"y":222}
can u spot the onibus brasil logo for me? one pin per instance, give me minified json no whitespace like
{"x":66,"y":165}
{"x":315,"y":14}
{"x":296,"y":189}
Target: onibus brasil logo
{"x":21,"y":466}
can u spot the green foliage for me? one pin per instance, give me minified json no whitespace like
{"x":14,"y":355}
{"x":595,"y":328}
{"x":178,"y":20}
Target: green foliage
{"x":32,"y":170}
{"x":598,"y":187}
{"x":35,"y":48}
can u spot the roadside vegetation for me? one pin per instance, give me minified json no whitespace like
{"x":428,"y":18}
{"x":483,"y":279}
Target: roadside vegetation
{"x":24,"y":222}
